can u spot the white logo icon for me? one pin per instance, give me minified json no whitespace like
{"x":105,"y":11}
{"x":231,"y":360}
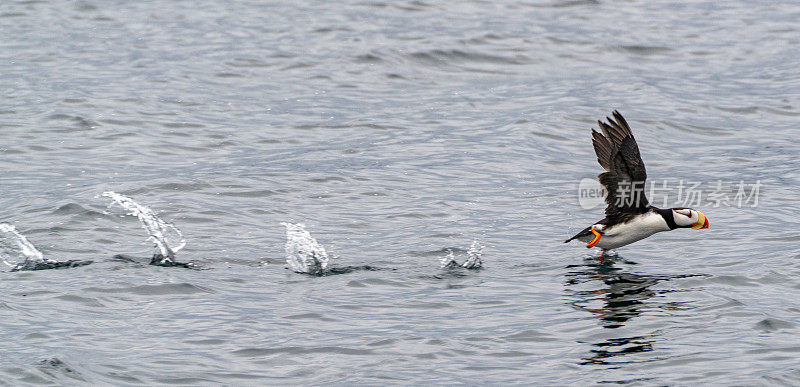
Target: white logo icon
{"x":591,"y":194}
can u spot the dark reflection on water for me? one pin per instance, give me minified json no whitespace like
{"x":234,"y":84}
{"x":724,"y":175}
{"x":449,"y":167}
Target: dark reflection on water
{"x":619,"y":347}
{"x":623,"y":296}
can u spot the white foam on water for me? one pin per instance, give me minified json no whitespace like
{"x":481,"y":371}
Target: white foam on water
{"x":26,"y":248}
{"x":303,"y":253}
{"x":161,"y":233}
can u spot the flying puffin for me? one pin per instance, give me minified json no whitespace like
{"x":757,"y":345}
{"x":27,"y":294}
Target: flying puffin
{"x":629,"y":216}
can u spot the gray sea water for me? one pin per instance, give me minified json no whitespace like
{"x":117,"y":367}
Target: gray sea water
{"x":396,"y":131}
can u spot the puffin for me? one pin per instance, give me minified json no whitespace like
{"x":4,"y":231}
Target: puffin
{"x":629,"y":216}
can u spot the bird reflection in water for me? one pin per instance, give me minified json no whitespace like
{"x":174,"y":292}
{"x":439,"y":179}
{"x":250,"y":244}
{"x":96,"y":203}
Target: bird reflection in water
{"x":621,"y":296}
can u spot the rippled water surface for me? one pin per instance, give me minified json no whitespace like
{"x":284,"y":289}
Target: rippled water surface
{"x":396,"y":132}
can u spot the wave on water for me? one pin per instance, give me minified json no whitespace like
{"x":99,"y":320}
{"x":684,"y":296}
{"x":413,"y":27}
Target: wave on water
{"x":473,"y":258}
{"x":27,"y":256}
{"x":161,"y":233}
{"x":303,"y":253}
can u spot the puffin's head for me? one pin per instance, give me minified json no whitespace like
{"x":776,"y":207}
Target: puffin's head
{"x":687,"y":217}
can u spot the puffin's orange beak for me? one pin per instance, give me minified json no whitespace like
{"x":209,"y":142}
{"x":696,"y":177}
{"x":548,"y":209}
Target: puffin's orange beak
{"x":701,"y":223}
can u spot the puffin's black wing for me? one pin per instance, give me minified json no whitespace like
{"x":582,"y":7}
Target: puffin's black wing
{"x":625,"y":174}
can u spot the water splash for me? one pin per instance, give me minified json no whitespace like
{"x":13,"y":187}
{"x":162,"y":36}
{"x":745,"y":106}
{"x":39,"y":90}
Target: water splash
{"x":473,"y":258}
{"x":303,"y":253}
{"x":449,"y":260}
{"x":31,"y":257}
{"x":161,"y":233}
{"x":27,"y":251}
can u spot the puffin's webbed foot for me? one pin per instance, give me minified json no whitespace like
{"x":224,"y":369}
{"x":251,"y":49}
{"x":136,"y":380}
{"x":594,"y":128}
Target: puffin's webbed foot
{"x":601,"y":257}
{"x":595,"y":240}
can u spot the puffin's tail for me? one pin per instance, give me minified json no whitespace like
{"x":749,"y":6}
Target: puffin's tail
{"x":586,"y":232}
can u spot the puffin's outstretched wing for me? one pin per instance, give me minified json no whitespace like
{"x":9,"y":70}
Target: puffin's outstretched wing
{"x":625,"y":174}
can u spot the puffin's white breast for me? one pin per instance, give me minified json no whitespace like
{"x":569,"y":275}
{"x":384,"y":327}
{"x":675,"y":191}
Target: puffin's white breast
{"x":636,"y":229}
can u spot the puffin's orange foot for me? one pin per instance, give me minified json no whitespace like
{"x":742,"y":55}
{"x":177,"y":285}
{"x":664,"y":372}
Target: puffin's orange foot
{"x":595,"y":240}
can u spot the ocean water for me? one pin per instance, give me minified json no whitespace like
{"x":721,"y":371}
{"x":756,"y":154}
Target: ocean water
{"x":397,"y":132}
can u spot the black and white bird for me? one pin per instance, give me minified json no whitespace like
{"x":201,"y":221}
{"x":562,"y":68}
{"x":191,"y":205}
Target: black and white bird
{"x":629,"y":216}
